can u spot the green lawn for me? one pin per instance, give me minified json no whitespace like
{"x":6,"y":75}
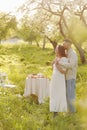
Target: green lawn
{"x":19,"y":113}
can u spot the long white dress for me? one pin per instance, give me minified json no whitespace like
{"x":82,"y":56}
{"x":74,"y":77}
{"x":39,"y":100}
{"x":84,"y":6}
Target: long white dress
{"x":58,"y":102}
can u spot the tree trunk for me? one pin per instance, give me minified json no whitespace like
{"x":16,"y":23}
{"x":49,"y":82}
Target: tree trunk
{"x":44,"y":42}
{"x":81,"y":52}
{"x":61,"y":29}
{"x":37,"y":43}
{"x":54,"y":43}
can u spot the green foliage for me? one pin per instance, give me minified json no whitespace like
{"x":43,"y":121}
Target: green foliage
{"x":81,"y":75}
{"x":7,"y":22}
{"x":19,"y":113}
{"x":77,"y":30}
{"x":28,"y":31}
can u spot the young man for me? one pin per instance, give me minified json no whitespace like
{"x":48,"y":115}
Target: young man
{"x":70,"y":74}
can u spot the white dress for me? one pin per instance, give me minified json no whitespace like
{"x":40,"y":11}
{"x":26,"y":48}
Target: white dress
{"x":58,"y":102}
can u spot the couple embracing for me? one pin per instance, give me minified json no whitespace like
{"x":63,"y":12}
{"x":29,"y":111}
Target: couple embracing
{"x":63,"y":82}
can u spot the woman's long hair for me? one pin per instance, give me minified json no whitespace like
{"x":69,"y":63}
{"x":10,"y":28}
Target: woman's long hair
{"x":61,"y":51}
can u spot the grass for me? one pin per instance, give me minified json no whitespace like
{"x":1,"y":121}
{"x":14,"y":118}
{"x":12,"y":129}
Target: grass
{"x":19,"y":113}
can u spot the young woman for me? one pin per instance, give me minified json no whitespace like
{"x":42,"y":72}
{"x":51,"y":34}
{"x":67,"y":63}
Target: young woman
{"x":58,"y":102}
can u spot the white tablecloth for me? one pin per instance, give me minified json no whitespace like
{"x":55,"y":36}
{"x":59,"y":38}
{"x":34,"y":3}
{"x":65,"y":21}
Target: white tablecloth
{"x":37,"y":86}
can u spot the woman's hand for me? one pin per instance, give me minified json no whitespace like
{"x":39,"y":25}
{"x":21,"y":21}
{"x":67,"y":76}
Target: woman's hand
{"x":56,"y":61}
{"x":60,"y":69}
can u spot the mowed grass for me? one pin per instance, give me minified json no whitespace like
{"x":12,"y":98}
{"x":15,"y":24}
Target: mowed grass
{"x":19,"y":113}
